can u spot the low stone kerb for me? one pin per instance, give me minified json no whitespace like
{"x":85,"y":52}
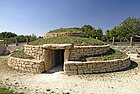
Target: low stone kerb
{"x":57,"y":46}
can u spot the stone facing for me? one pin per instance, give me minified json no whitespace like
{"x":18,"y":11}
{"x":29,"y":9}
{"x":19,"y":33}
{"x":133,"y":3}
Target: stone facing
{"x":57,"y":46}
{"x":26,"y":65}
{"x":75,"y":67}
{"x":71,"y":65}
{"x":77,"y":51}
{"x":36,"y":51}
{"x":50,"y":35}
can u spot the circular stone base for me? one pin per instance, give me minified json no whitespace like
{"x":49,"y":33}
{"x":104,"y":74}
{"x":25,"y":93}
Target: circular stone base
{"x":89,"y":67}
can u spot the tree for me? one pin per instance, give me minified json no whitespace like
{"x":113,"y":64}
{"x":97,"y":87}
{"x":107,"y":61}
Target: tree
{"x":92,"y":32}
{"x":7,"y":34}
{"x":86,"y":28}
{"x":130,"y":27}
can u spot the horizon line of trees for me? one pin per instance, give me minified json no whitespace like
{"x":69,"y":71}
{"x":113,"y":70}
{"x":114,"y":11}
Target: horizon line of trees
{"x":130,"y":27}
{"x":10,"y":37}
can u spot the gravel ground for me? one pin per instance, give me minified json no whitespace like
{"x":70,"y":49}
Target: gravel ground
{"x":124,"y":82}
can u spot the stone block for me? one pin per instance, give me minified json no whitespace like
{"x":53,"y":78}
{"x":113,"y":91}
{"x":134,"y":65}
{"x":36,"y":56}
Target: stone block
{"x":95,"y":71}
{"x":73,"y":67}
{"x":102,"y":70}
{"x":16,"y":68}
{"x":82,"y":67}
{"x":90,"y":66}
{"x":109,"y":70}
{"x":87,"y":71}
{"x":80,"y":71}
{"x":71,"y":72}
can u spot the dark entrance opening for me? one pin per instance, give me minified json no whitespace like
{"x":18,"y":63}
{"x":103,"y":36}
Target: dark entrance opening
{"x":57,"y":60}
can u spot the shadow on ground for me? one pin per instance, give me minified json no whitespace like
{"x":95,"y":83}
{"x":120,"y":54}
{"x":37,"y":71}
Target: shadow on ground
{"x":60,"y":68}
{"x":131,"y":67}
{"x":55,"y":69}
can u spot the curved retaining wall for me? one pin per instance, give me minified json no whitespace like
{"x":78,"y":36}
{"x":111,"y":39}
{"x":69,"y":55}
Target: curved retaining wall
{"x":77,"y":51}
{"x":88,"y":67}
{"x":38,"y":52}
{"x":50,"y":35}
{"x":26,"y":65}
{"x":34,"y":50}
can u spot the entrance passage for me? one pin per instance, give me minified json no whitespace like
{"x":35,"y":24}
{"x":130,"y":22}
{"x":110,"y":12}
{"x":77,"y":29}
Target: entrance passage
{"x":57,"y":60}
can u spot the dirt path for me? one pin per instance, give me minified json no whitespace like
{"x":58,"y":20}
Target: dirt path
{"x":124,"y":82}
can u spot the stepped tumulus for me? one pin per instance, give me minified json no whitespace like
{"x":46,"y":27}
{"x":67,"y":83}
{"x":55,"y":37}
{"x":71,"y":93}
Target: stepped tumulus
{"x":75,"y":53}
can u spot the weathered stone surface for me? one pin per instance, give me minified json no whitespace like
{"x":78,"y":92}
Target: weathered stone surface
{"x":26,"y":65}
{"x":50,"y":35}
{"x":77,"y":51}
{"x":97,"y":66}
{"x":57,"y":46}
{"x":71,"y":53}
{"x":34,"y":50}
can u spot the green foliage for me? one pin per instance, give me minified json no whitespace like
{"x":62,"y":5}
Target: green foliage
{"x":7,"y":35}
{"x":128,"y":28}
{"x":66,"y":30}
{"x":92,"y":32}
{"x":103,"y":38}
{"x":86,"y":28}
{"x":11,"y":37}
{"x":6,"y":91}
{"x":111,"y":54}
{"x":68,"y":39}
{"x":21,"y":54}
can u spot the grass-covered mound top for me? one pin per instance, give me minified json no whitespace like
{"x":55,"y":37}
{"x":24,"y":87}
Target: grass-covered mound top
{"x":66,"y":30}
{"x":21,"y":54}
{"x":77,"y":41}
{"x":110,"y":55}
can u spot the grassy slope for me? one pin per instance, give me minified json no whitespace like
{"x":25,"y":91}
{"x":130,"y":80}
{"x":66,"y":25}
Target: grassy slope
{"x":111,"y":54}
{"x":68,"y":39}
{"x":21,"y":54}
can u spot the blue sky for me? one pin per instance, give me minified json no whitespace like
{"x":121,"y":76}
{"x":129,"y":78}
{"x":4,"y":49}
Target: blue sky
{"x":40,"y":16}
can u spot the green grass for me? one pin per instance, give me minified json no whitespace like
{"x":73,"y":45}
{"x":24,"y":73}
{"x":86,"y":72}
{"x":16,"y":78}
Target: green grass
{"x":21,"y":54}
{"x":68,"y":39}
{"x":6,"y":91}
{"x":66,"y":30}
{"x":110,"y":55}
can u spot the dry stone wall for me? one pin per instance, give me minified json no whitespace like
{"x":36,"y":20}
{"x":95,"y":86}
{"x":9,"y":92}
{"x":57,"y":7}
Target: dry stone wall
{"x":38,"y":51}
{"x":26,"y":65}
{"x":50,"y":35}
{"x":77,"y":51}
{"x":71,"y":65}
{"x":75,"y":67}
{"x":34,"y":50}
